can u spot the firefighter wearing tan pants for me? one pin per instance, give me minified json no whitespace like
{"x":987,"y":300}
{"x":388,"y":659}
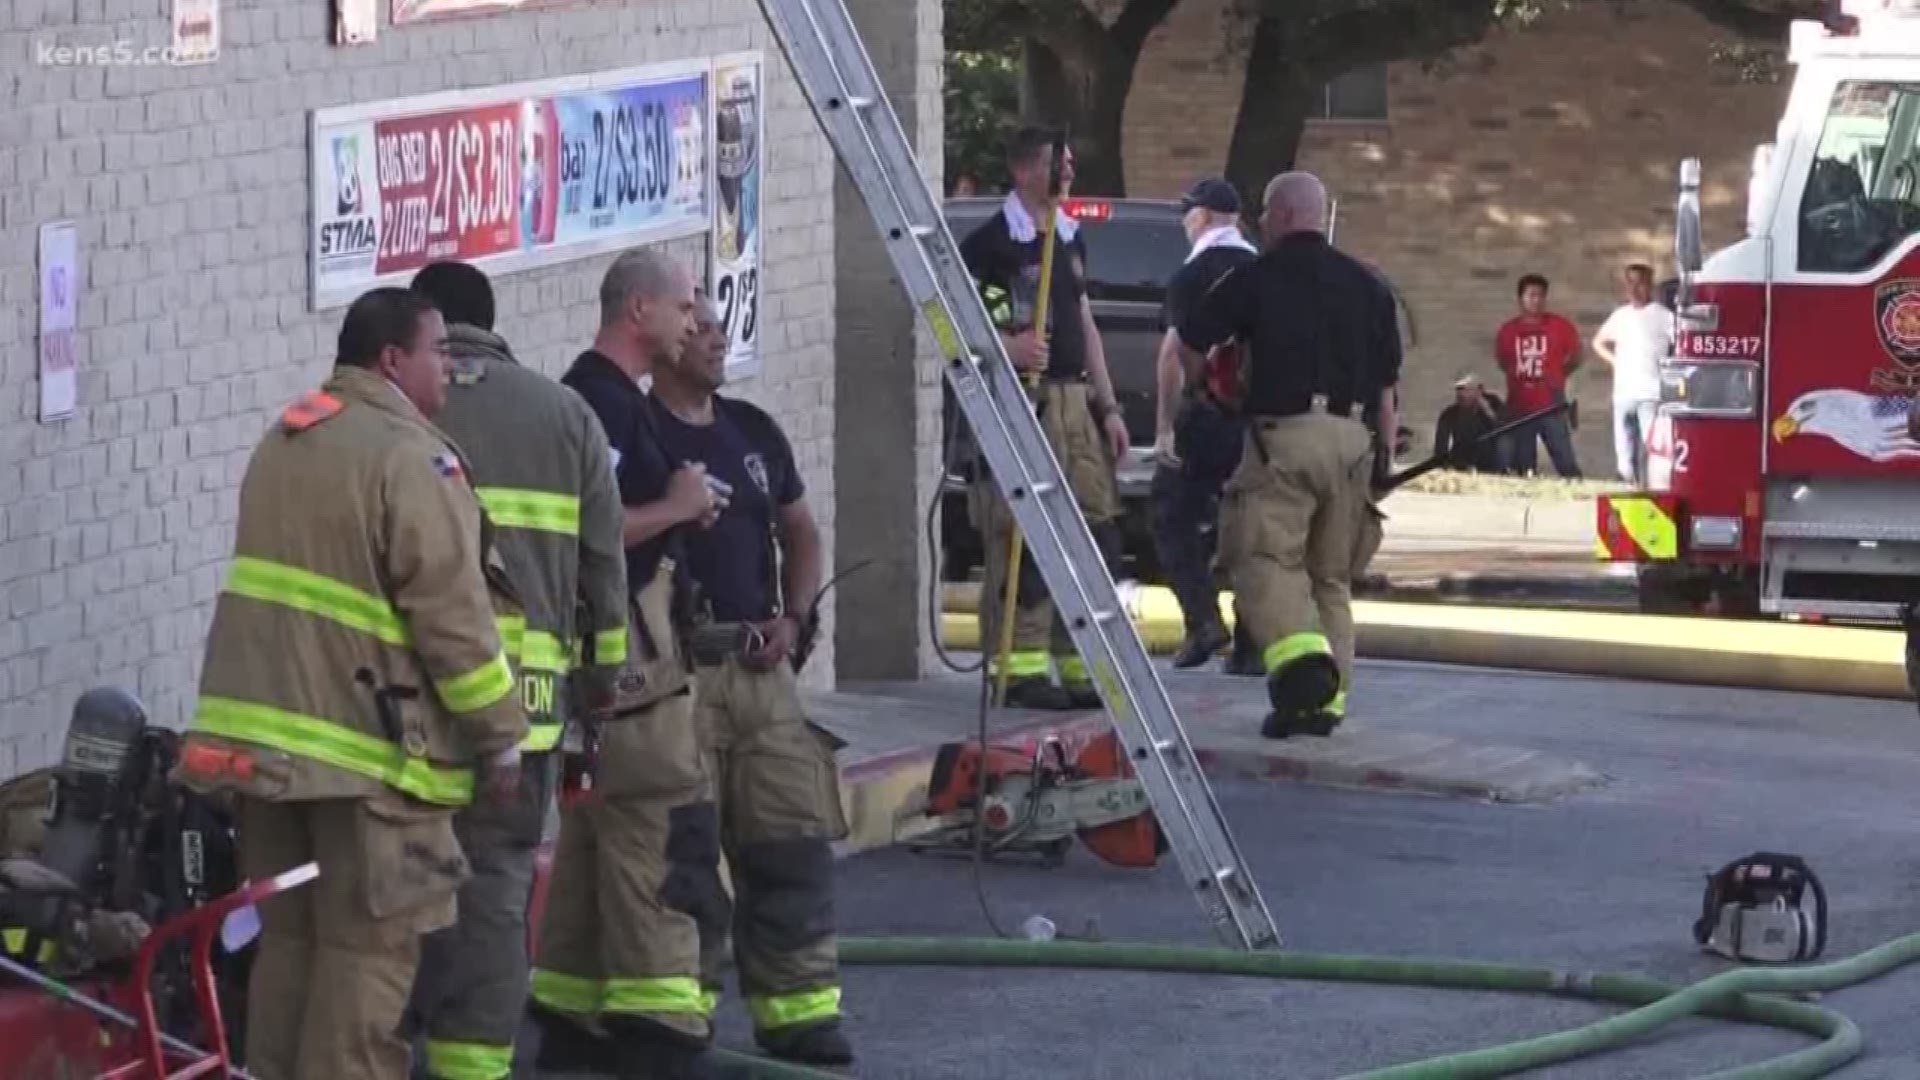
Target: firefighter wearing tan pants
{"x":758,"y":568}
{"x":1039,"y":634}
{"x":1073,"y":400}
{"x":636,"y":868}
{"x":1320,"y":338}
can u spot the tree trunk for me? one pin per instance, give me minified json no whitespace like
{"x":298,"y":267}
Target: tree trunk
{"x":1085,"y":91}
{"x":1275,"y":100}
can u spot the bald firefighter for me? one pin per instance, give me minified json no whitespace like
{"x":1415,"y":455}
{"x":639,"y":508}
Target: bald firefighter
{"x":545,"y":479}
{"x":636,"y":877}
{"x":355,"y":693}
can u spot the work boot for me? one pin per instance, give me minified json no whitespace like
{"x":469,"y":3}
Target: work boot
{"x":1319,"y":722}
{"x":566,"y":1046}
{"x":1304,"y":686}
{"x":808,"y":1044}
{"x":1085,"y":697}
{"x":650,"y":1051}
{"x":1202,"y":642}
{"x":1038,"y":692}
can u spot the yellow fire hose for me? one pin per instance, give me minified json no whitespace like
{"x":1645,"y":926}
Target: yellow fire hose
{"x":1015,"y":543}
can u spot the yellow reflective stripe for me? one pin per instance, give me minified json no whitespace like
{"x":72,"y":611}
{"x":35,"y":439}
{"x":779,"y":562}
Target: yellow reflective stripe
{"x":468,"y":1061}
{"x":303,"y":590}
{"x":783,"y":1010}
{"x":677,"y":995}
{"x":709,"y":1001}
{"x":1022,"y":663}
{"x":1073,"y":670}
{"x":521,"y":508}
{"x":566,"y":993}
{"x":1293,"y":647}
{"x":610,"y":647}
{"x":1651,"y":528}
{"x":536,"y":650}
{"x":540,"y":738}
{"x":332,"y":744}
{"x":1338,"y":706}
{"x":479,"y":688}
{"x":16,"y":943}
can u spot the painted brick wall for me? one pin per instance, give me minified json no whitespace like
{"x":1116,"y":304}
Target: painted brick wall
{"x":1555,"y":148}
{"x":190,"y":187}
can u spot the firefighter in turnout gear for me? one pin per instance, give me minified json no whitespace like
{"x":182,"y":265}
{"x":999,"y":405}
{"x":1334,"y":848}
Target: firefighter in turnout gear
{"x":1320,"y":338}
{"x":355,"y":693}
{"x":545,"y":480}
{"x":636,"y":873}
{"x":759,"y":571}
{"x":1075,"y":403}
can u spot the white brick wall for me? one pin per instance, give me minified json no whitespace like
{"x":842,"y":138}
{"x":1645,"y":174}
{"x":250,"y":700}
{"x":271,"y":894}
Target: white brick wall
{"x":190,"y":188}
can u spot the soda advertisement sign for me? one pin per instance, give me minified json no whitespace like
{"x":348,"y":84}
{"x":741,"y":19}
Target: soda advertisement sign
{"x":508,"y":178}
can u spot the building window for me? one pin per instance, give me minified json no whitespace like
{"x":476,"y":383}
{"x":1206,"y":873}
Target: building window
{"x":1360,"y":94}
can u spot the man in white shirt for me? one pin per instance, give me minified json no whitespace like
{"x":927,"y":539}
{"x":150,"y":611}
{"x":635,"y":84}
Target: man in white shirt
{"x":1633,"y":342}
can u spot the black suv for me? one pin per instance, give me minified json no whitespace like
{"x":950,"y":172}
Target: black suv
{"x":1133,"y":248}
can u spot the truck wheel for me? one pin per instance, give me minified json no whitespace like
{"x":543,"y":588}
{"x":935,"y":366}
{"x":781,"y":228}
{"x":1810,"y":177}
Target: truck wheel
{"x":1668,"y":591}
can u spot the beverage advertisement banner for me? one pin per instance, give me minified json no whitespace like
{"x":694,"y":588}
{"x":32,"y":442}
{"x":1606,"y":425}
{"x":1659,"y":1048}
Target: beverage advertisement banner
{"x":508,"y":178}
{"x":739,"y":136}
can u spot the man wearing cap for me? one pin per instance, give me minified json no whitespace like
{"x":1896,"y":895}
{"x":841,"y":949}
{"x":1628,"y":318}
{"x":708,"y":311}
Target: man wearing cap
{"x":1474,"y":412}
{"x":1320,"y":335}
{"x":1197,"y":442}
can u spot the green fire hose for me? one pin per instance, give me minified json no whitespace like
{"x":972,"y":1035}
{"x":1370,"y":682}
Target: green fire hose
{"x":1731,"y":995}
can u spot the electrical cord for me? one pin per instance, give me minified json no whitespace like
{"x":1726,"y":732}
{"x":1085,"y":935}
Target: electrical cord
{"x":936,"y":601}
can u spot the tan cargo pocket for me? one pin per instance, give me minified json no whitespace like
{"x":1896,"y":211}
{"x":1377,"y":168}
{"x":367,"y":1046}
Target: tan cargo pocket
{"x":655,"y":753}
{"x":654,"y":670}
{"x":785,"y":785}
{"x":413,"y":865}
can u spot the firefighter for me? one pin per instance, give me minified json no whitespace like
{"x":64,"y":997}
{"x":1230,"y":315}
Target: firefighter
{"x":355,"y":692}
{"x":1321,"y":339}
{"x":545,"y":480}
{"x":1077,"y":410}
{"x":1197,"y":440}
{"x":616,"y":984}
{"x":759,"y":571}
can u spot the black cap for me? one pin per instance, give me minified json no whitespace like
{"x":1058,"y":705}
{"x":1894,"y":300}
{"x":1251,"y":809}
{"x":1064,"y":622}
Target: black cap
{"x":1214,"y":194}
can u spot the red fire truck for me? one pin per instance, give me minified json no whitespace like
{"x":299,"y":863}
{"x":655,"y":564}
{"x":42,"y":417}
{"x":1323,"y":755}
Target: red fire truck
{"x":1781,"y":478}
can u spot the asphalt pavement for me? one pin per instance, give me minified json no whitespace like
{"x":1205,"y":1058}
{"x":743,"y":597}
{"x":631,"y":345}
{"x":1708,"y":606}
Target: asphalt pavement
{"x":1607,"y":879}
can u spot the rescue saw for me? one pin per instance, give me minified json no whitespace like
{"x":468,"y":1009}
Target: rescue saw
{"x":1037,"y":802}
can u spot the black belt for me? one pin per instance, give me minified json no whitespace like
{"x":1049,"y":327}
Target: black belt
{"x":715,"y":643}
{"x":1315,"y":403}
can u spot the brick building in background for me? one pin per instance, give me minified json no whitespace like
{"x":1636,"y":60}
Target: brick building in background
{"x":191,"y":189}
{"x":1553,"y":149}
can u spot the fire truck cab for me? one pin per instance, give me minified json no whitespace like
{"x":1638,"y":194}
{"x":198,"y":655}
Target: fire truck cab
{"x":1780,"y":476}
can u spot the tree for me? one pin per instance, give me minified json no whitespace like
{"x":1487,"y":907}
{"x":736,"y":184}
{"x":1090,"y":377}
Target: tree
{"x":1297,"y":46}
{"x":1078,"y":69}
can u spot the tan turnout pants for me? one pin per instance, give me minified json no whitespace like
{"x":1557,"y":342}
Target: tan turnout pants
{"x":338,"y":955}
{"x":780,"y":811}
{"x":1038,"y":631}
{"x":1297,"y":525}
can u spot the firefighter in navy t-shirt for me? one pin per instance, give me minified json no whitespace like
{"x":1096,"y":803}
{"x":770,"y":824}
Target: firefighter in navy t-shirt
{"x":759,"y":569}
{"x":1076,"y":407}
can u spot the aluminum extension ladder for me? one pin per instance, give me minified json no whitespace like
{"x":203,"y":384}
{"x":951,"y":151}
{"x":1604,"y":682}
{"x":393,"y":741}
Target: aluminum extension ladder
{"x":834,"y":70}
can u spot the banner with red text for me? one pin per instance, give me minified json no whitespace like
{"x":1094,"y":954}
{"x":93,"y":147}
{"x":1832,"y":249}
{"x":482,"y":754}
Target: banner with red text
{"x":508,"y":178}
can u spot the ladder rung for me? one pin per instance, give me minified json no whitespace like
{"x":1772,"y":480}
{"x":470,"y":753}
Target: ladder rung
{"x":861,"y":103}
{"x":921,"y":232}
{"x":1105,"y":616}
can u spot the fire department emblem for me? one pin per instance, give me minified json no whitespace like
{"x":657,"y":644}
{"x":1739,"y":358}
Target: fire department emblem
{"x":757,"y":469}
{"x":1896,"y":312}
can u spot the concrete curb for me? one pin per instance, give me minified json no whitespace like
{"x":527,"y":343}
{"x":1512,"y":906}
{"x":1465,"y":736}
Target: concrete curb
{"x":1426,"y":516}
